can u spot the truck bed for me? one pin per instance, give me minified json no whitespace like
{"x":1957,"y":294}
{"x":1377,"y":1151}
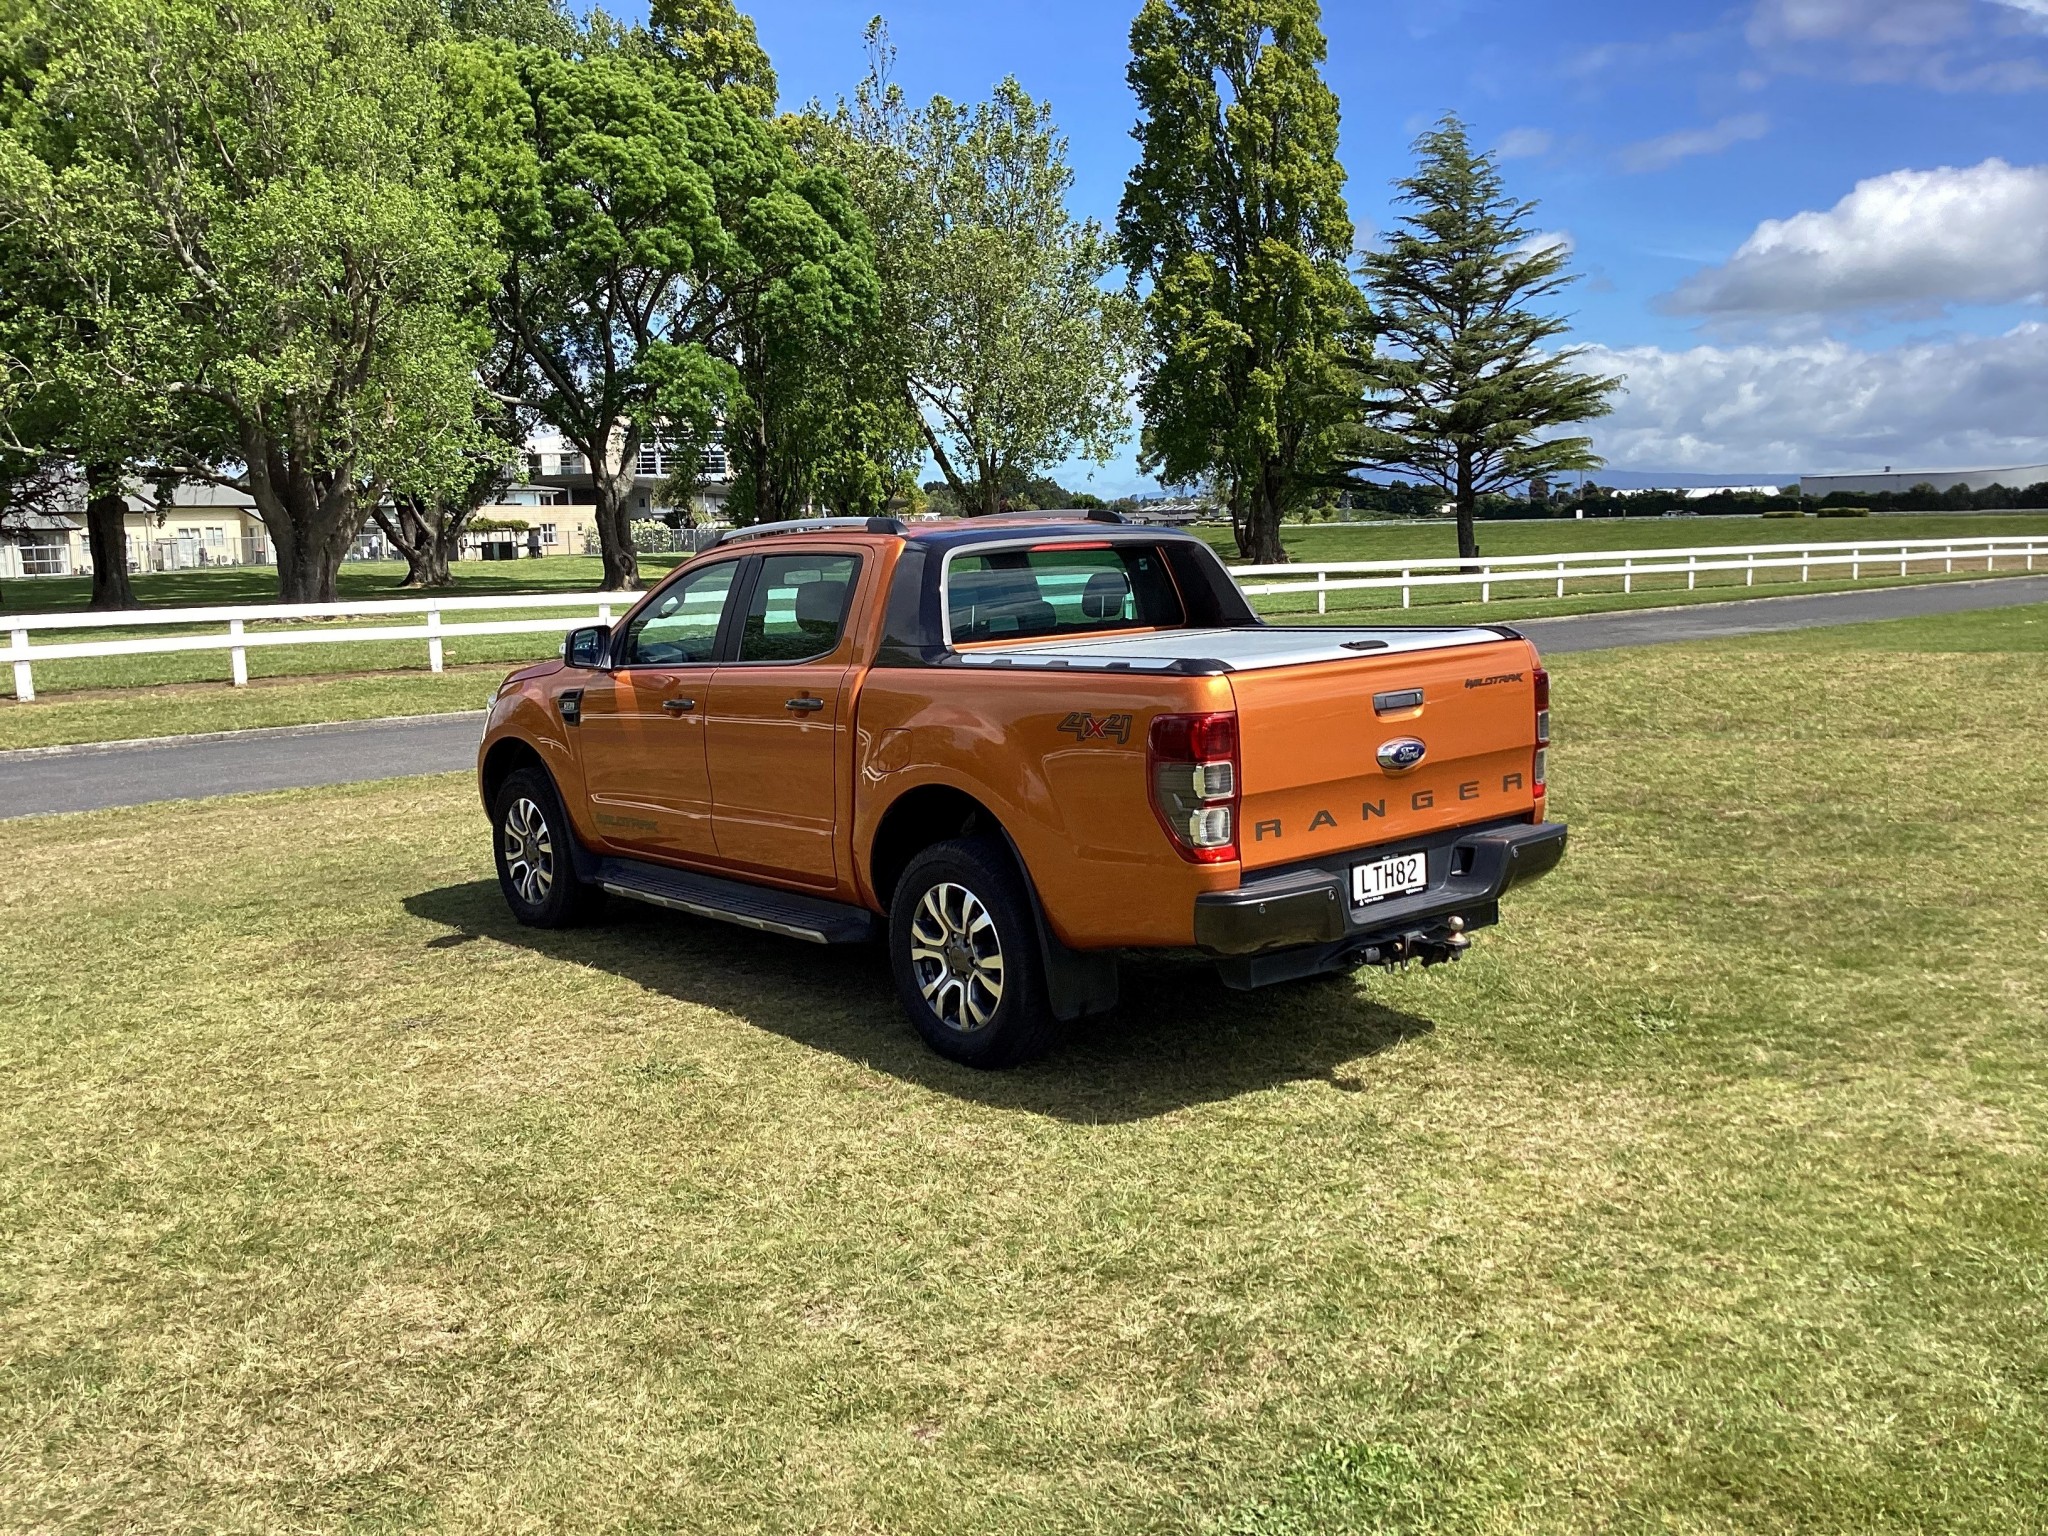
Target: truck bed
{"x":1229,"y":650}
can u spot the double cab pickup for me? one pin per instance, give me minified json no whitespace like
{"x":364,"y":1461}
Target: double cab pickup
{"x":1012,"y":748}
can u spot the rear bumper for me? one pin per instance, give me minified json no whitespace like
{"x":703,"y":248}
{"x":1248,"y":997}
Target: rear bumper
{"x":1300,"y":921}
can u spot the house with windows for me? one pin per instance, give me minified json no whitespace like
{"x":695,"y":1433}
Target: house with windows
{"x":553,"y":463}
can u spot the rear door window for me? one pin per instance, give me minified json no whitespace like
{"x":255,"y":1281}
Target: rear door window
{"x":1013,"y":594}
{"x":799,"y":607}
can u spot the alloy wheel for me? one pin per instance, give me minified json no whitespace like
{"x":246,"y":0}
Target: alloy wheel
{"x":529,"y":851}
{"x":957,"y":957}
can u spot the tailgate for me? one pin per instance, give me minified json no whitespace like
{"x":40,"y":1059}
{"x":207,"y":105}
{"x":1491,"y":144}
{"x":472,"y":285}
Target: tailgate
{"x":1310,"y":738}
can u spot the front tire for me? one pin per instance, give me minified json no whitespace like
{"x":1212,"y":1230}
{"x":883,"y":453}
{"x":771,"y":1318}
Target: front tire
{"x":531,"y":836}
{"x":964,"y":949}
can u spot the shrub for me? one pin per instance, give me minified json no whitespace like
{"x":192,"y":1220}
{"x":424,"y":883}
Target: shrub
{"x":1845,"y":511}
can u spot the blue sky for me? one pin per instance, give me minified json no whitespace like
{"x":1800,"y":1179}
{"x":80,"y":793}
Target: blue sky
{"x":1895,"y":316}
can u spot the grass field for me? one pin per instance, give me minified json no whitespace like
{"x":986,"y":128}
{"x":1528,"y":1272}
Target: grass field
{"x":1705,"y":1196}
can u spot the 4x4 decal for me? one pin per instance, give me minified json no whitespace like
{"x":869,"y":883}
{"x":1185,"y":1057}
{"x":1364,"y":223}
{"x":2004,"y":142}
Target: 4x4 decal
{"x":1083,"y":726}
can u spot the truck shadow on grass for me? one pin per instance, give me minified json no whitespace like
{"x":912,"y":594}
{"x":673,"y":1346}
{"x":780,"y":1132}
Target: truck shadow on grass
{"x":1178,"y":1038}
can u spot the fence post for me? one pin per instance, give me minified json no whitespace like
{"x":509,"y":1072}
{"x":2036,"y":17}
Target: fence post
{"x":1560,"y":578}
{"x":1628,"y":575}
{"x":1486,"y":587}
{"x":239,"y":656}
{"x":1749,"y":578}
{"x":1406,"y":593}
{"x":1902,"y":562}
{"x":1805,"y":557}
{"x":1856,"y":564}
{"x":1990,"y":557}
{"x":24,"y":684}
{"x":1948,"y":564}
{"x":604,"y":613}
{"x":433,"y":639}
{"x":1692,"y":572}
{"x":1322,"y":591}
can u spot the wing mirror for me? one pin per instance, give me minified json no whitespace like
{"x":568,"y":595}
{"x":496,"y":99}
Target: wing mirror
{"x":588,"y":647}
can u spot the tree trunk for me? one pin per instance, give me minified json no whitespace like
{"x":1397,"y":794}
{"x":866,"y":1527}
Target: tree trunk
{"x":612,"y":463}
{"x":427,"y":541}
{"x":106,"y":533}
{"x":1468,"y":504}
{"x":1259,"y":542}
{"x":311,"y":528}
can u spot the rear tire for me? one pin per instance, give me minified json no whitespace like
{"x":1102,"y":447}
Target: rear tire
{"x":964,"y":949}
{"x":531,"y":836}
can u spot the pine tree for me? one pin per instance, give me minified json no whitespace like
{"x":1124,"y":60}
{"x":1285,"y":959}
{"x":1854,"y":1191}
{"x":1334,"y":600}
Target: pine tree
{"x":1464,"y":394}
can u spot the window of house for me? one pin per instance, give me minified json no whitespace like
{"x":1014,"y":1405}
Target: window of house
{"x":216,"y":538}
{"x":547,"y":533}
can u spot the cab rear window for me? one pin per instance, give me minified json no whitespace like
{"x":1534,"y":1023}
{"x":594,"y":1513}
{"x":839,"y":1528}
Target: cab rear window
{"x":1015,"y":594}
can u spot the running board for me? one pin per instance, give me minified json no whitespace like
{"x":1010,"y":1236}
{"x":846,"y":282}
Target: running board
{"x":759,"y":907}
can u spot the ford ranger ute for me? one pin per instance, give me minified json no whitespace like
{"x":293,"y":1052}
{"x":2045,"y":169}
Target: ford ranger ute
{"x":1010,"y":748}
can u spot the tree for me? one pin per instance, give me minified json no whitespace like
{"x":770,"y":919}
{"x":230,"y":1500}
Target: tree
{"x":1018,"y":356}
{"x":253,"y":205}
{"x":996,"y":338}
{"x":648,"y":224}
{"x":1463,"y":393}
{"x":710,"y":42}
{"x":1234,"y":218}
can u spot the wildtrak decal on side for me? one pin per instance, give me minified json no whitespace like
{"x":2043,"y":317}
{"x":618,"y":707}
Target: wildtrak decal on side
{"x":1420,"y":800}
{"x":1497,"y":678}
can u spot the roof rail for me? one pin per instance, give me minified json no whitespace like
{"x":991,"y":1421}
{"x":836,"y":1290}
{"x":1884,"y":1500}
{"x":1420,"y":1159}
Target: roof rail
{"x":1088,"y":514}
{"x":816,"y":525}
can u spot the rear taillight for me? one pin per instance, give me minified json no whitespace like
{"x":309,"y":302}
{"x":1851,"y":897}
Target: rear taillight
{"x":1542,"y":729}
{"x":1191,"y":766}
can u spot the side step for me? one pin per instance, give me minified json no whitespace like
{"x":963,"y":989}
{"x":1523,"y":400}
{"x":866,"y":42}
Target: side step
{"x":735,"y":901}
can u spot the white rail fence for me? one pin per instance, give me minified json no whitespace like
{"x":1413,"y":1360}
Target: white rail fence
{"x":427,"y":620}
{"x":1899,"y":557}
{"x":428,"y":624}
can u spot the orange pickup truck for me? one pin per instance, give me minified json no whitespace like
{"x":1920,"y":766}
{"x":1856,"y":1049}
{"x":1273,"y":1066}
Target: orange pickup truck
{"x":1012,"y":747}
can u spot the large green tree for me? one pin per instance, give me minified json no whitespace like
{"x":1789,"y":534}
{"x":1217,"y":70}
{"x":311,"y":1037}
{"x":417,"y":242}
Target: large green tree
{"x":253,"y":204}
{"x":648,"y":222}
{"x":1467,"y":394}
{"x":1234,"y":225}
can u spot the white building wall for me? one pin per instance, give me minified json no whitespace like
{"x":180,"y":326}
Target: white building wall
{"x":2016,"y":477}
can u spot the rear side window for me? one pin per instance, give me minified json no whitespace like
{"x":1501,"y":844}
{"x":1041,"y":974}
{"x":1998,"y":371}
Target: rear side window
{"x":1022,"y":593}
{"x":799,"y":607}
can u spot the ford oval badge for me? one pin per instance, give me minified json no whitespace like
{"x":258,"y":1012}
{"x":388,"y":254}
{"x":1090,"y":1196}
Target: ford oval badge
{"x":1401,"y":754}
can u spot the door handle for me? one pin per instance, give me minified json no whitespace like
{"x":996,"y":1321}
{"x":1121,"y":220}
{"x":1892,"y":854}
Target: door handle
{"x":809,"y":706}
{"x":678,"y":706}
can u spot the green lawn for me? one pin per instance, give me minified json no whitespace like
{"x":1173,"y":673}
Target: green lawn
{"x":1705,"y":1196}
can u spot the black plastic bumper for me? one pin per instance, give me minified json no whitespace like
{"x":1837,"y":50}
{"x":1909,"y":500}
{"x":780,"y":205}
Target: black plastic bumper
{"x":1300,"y":921}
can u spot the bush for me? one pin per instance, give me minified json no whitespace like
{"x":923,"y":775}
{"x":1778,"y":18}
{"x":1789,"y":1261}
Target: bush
{"x":1788,"y":512}
{"x":1845,"y":511}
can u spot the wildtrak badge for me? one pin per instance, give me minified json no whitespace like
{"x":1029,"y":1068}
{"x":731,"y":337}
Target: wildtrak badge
{"x":1497,"y":678}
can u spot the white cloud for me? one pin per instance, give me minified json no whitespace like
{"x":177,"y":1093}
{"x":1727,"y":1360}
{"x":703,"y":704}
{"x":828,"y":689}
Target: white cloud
{"x":1972,"y":400}
{"x":1549,"y":239}
{"x":1527,"y":143}
{"x":1656,"y":154}
{"x":1951,"y":45}
{"x":1910,"y":241}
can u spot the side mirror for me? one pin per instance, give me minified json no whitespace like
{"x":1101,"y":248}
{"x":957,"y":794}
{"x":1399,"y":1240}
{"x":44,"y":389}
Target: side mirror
{"x":588,"y":647}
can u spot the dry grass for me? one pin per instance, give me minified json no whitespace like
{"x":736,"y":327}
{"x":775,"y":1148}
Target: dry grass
{"x":1705,"y":1196}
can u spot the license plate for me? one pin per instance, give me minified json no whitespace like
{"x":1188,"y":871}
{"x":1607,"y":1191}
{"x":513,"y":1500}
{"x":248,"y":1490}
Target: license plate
{"x":1388,"y":877}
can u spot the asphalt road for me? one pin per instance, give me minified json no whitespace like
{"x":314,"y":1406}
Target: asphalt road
{"x":40,"y":783}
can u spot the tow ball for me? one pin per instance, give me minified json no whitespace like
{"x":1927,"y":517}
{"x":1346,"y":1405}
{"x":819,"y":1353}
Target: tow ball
{"x":1431,"y":946}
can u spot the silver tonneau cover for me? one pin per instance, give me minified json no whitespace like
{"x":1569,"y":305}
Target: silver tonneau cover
{"x":1239,"y":650}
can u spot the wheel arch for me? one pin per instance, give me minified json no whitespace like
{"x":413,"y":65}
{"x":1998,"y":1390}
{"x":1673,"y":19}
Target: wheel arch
{"x":920,"y":817}
{"x":506,"y":757}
